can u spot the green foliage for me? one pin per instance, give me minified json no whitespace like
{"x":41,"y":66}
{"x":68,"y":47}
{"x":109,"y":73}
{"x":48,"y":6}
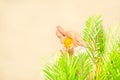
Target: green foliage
{"x":94,"y":35}
{"x":69,"y":68}
{"x":101,"y":61}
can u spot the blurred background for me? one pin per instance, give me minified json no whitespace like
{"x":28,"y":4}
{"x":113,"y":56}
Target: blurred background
{"x":27,"y":31}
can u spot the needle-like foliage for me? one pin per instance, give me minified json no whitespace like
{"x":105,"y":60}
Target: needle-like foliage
{"x":100,"y":61}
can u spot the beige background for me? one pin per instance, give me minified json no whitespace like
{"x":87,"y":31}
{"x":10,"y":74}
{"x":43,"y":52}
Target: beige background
{"x":27,"y":31}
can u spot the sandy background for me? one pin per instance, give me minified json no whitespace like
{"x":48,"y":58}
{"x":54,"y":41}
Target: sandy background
{"x":27,"y":31}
